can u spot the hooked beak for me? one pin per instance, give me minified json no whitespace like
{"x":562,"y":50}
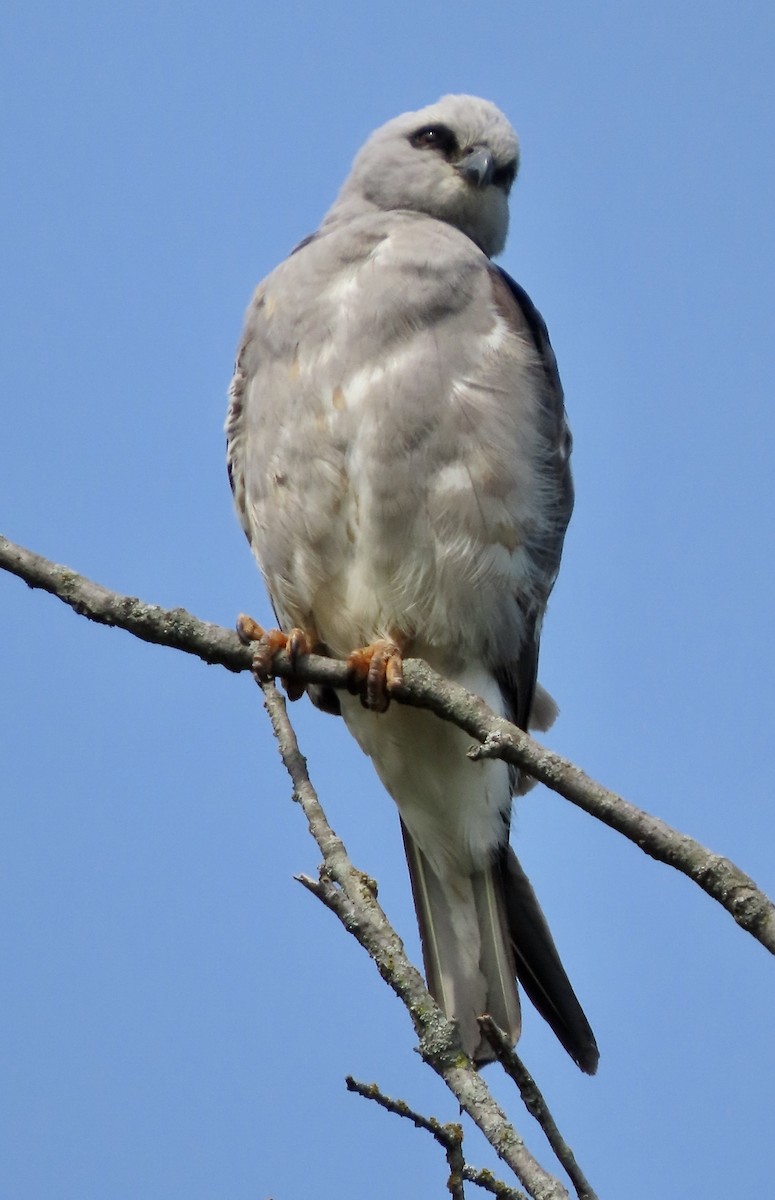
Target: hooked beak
{"x":476,"y":166}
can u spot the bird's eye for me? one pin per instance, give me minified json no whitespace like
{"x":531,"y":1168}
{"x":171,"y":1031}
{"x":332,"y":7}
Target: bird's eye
{"x":503,"y":177}
{"x":435,"y":137}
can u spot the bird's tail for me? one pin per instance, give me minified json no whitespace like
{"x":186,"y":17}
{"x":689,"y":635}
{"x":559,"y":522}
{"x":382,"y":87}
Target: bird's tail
{"x":539,"y":968}
{"x":479,"y":933}
{"x":468,"y":959}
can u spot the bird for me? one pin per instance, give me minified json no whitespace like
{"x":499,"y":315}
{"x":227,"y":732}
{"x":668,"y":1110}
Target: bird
{"x":399,"y":455}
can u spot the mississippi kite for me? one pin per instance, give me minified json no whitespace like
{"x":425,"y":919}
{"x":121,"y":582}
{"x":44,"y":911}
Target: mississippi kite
{"x":399,"y":456}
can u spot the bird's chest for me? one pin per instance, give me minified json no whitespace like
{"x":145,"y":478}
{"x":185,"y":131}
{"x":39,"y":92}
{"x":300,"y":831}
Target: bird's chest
{"x":387,"y":489}
{"x":347,"y":532}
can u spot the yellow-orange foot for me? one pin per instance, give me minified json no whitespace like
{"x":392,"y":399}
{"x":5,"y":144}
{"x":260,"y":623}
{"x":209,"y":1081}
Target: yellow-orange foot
{"x":374,"y":671}
{"x":269,"y":642}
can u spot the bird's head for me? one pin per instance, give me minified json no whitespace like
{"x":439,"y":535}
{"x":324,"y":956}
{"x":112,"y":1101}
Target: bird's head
{"x":454,"y":160}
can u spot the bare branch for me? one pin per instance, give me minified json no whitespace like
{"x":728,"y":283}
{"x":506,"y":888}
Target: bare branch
{"x":351,"y":896}
{"x":422,"y":687}
{"x":449,"y":1136}
{"x":485,"y":1179}
{"x":536,"y":1105}
{"x":172,"y":627}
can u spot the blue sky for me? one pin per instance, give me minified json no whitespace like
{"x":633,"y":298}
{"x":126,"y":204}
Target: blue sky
{"x":177,"y":1013}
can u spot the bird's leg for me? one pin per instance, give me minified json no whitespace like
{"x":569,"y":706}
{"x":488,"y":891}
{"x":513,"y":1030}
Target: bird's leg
{"x":268,"y":643}
{"x":373,"y":671}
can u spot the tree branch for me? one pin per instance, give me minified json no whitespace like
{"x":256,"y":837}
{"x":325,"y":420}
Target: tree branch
{"x":422,"y":687}
{"x":536,"y":1105}
{"x":449,"y":1137}
{"x":351,"y":896}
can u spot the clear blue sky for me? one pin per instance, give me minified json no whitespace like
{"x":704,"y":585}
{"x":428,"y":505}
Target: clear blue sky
{"x":176,"y":1013}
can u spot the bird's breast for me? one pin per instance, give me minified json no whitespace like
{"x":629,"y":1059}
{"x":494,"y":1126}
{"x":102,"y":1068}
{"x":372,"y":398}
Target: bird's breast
{"x":393,"y":486}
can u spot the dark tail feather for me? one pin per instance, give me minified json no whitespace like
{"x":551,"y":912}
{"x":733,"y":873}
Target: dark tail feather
{"x":477,"y":932}
{"x":539,"y":969}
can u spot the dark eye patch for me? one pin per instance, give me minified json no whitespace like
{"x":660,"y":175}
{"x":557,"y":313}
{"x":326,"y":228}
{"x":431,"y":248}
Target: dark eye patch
{"x":435,"y":137}
{"x":503,"y":177}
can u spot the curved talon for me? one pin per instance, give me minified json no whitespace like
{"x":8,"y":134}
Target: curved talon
{"x":374,"y":671}
{"x":248,"y":630}
{"x":267,"y":644}
{"x":298,"y":643}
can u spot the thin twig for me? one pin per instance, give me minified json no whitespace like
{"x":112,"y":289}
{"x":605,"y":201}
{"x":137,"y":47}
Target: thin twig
{"x":536,"y":1105}
{"x":449,"y":1137}
{"x":717,"y":876}
{"x":350,"y":896}
{"x":486,"y":1180}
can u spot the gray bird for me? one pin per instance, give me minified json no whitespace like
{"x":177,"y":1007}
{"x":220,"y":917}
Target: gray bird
{"x":399,"y":456}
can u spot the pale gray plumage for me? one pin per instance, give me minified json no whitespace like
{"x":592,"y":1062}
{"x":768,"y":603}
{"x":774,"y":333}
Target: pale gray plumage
{"x":398,"y":451}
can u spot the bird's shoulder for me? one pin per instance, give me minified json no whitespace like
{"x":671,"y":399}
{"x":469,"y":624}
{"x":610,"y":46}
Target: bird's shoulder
{"x":401,"y":238}
{"x":401,"y":273}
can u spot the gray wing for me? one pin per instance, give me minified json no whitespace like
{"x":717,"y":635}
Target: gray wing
{"x":537,"y":961}
{"x":517,"y":679}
